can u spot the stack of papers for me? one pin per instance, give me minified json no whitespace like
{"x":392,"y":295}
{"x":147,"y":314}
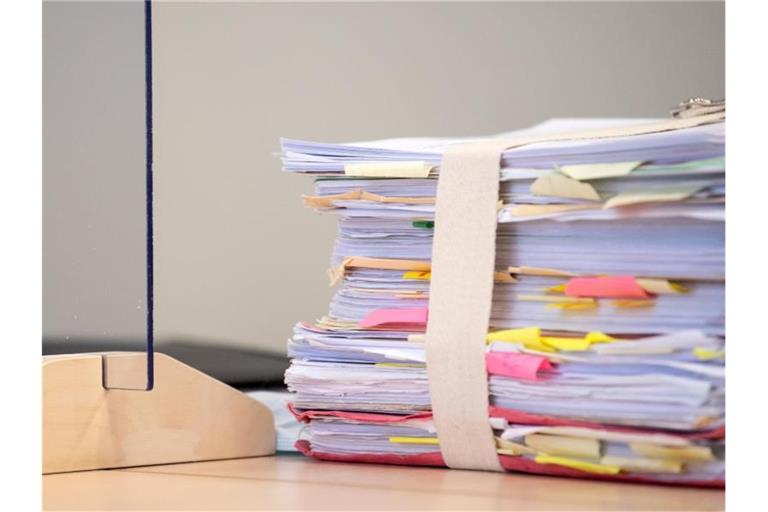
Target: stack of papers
{"x":606,"y":352}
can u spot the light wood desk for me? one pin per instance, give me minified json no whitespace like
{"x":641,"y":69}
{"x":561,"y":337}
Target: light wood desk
{"x":289,"y":482}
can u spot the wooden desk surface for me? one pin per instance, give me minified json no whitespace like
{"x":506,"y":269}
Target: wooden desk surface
{"x":288,"y":482}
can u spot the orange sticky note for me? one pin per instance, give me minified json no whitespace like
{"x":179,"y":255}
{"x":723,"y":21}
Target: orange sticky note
{"x":613,"y":287}
{"x":405,"y":318}
{"x":518,"y":366}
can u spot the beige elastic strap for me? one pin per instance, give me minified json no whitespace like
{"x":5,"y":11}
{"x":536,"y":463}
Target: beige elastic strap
{"x":461,"y":288}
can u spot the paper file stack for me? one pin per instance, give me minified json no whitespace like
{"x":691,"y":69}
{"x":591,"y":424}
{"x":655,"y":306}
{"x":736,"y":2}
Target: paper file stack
{"x":606,"y":354}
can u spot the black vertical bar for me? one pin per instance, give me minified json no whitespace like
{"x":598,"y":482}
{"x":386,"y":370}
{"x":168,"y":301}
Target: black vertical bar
{"x":149,"y":196}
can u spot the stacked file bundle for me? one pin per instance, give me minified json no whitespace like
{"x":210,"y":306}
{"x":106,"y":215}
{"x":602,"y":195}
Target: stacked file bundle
{"x":605,"y":356}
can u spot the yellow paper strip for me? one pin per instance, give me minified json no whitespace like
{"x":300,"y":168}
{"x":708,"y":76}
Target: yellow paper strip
{"x":679,"y":453}
{"x":503,"y":277}
{"x":559,"y":185}
{"x":401,"y":365}
{"x":534,"y":210}
{"x":643,"y":465}
{"x":421,"y":276}
{"x":499,"y":277}
{"x":674,"y":193}
{"x":706,"y":354}
{"x":336,"y":273}
{"x":567,"y":344}
{"x":588,"y":467}
{"x":567,"y":446}
{"x":368,"y":196}
{"x":414,"y":440}
{"x":599,"y":171}
{"x":540,"y":271}
{"x":659,"y":286}
{"x":327,"y":201}
{"x":573,"y":305}
{"x":406,"y":169}
{"x":360,"y":195}
{"x":552,"y":298}
{"x":599,"y":337}
{"x":630,"y":303}
{"x":512,"y":448}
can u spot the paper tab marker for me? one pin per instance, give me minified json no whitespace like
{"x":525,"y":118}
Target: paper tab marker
{"x":613,"y":287}
{"x":405,"y":318}
{"x":519,"y":366}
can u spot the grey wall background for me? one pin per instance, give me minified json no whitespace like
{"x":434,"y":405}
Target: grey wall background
{"x":238,"y":258}
{"x":93,"y":171}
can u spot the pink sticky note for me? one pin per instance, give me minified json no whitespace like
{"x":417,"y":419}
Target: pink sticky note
{"x":406,"y":318}
{"x":518,"y":366}
{"x":614,"y":287}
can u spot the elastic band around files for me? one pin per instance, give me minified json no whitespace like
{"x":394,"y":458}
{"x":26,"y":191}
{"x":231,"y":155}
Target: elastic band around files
{"x":461,"y":287}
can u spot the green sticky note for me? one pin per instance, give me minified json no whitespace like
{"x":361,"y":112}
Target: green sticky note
{"x":427,"y":224}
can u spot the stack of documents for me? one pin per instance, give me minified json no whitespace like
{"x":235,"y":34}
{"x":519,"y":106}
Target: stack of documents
{"x":606,"y":353}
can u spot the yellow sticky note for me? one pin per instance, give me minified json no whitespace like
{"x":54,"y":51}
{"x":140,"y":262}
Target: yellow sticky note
{"x":422,"y":276}
{"x":559,"y":288}
{"x":407,"y":169}
{"x":569,"y":344}
{"x":589,"y":467}
{"x":660,"y":286}
{"x":559,"y":185}
{"x":414,"y":440}
{"x":599,"y":171}
{"x":706,"y":354}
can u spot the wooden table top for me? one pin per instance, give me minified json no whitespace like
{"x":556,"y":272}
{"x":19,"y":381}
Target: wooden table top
{"x":292,"y":482}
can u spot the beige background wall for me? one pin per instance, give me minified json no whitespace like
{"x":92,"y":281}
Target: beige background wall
{"x":239,"y":260}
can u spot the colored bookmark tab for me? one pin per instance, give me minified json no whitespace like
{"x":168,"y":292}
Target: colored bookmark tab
{"x":407,"y":318}
{"x":408,"y":169}
{"x":614,"y":287}
{"x":518,"y":366}
{"x":424,"y":224}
